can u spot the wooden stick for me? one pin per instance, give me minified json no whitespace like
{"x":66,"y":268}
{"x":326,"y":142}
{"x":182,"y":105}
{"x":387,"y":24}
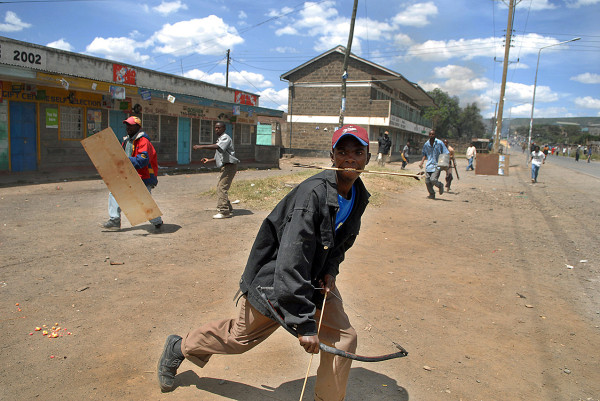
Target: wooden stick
{"x":415,"y":176}
{"x":312,"y":355}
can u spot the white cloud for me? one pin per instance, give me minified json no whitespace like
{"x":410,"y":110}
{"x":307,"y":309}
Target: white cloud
{"x":285,"y":49}
{"x":587,"y":78}
{"x":286,"y":30}
{"x":270,"y":97}
{"x":61,"y":44}
{"x":416,"y":15}
{"x":210,"y":35}
{"x":588,"y":102}
{"x":284,"y":11}
{"x":246,"y":78}
{"x":323,"y":22}
{"x":402,"y":40}
{"x":467,"y":49}
{"x":521,"y":93}
{"x":170,"y":7}
{"x":537,"y":5}
{"x":457,"y":81}
{"x":242,"y":15}
{"x":581,"y":3}
{"x":122,"y":48}
{"x":551,"y":112}
{"x":237,"y":79}
{"x":12,"y":23}
{"x":521,"y":110}
{"x":217,"y":78}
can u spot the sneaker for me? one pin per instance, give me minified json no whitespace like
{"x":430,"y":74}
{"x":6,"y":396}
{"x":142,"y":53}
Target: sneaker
{"x":431,"y":197}
{"x":532,"y":180}
{"x":112,"y":224}
{"x":158,"y":226}
{"x":441,"y":188}
{"x":168,"y":363}
{"x":222,"y":216}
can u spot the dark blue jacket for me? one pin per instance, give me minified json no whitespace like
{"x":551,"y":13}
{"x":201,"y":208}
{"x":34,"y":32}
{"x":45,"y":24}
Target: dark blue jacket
{"x":296,"y":246}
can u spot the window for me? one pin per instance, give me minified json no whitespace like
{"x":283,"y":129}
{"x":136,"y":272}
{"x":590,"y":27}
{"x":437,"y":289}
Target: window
{"x":151,"y":126}
{"x":244,"y":132}
{"x":206,"y":132}
{"x":71,"y":122}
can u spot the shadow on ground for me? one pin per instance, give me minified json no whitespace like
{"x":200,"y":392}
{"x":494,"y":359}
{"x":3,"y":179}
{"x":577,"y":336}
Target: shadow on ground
{"x":363,"y":385}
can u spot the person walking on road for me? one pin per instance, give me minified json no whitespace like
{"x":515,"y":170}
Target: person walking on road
{"x":225,"y":160}
{"x":577,"y":153}
{"x":451,"y":165}
{"x":143,"y":156}
{"x":405,"y":153}
{"x":537,"y":159}
{"x":291,"y":270}
{"x":589,"y":154}
{"x":385,"y":145}
{"x":471,"y":155}
{"x":432,"y":149}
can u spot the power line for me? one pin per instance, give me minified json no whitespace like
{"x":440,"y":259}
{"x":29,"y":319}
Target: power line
{"x":300,"y":6}
{"x":251,"y":84}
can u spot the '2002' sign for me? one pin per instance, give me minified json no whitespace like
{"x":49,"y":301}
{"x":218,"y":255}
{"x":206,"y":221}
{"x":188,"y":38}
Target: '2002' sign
{"x":22,"y":56}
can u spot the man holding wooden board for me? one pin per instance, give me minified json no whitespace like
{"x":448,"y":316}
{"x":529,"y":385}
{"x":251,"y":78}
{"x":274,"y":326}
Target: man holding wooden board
{"x":142,"y":155}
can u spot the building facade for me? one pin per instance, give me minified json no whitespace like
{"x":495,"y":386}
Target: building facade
{"x":51,"y":99}
{"x":377,"y":99}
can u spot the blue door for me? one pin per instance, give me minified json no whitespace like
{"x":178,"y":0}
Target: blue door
{"x":229,"y":129}
{"x":23,"y":136}
{"x":183,"y":141}
{"x":115,"y":121}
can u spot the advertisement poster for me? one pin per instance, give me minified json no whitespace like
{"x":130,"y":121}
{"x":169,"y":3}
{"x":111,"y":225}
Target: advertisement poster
{"x":245,"y":98}
{"x":123,"y":74}
{"x":117,"y":92}
{"x":51,"y":118}
{"x":94,"y":121}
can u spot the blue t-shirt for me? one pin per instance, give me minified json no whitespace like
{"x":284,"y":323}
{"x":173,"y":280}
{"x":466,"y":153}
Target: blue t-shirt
{"x":345,"y":209}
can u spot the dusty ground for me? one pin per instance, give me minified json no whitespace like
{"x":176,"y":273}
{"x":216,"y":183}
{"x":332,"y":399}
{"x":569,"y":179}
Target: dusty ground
{"x":475,"y":285}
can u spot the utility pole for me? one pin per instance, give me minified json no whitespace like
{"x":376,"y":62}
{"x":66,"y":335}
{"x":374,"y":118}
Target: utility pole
{"x":227,"y":74}
{"x":345,"y":68}
{"x":511,"y":8}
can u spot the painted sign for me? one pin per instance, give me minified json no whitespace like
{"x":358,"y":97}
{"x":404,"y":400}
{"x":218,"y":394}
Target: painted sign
{"x":245,"y":98}
{"x":23,"y":56}
{"x":50,"y":95}
{"x":51,"y":118}
{"x":123,"y":74}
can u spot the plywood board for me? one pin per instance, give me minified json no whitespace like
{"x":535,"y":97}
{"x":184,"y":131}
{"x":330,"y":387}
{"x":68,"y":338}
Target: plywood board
{"x":120,"y":177}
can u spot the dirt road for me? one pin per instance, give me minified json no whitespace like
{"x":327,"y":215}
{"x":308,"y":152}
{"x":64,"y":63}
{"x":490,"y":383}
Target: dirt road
{"x":476,"y":285}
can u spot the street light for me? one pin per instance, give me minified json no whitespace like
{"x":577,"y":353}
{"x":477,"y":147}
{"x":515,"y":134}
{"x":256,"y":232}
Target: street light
{"x":535,"y":82}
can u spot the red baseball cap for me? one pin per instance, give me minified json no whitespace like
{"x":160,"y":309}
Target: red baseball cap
{"x":133,"y":120}
{"x":358,"y":132}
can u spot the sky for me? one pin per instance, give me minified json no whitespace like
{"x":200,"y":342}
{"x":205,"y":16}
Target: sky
{"x":454,"y":45}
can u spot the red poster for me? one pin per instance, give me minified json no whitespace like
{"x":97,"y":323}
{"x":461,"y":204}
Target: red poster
{"x":123,"y":74}
{"x":245,"y":98}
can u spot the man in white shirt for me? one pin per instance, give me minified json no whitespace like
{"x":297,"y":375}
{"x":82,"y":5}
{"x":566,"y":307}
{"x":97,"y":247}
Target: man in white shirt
{"x":471,"y":154}
{"x":537,"y":159}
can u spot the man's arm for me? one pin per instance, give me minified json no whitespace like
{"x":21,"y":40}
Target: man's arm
{"x":142,"y":159}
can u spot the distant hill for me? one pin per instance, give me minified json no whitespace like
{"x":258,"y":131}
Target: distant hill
{"x":582,"y":121}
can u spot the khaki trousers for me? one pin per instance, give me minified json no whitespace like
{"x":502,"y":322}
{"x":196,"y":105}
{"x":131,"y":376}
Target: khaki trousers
{"x":227,"y":173}
{"x":250,"y":328}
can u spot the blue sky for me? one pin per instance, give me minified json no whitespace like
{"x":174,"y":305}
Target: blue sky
{"x":450,"y":44}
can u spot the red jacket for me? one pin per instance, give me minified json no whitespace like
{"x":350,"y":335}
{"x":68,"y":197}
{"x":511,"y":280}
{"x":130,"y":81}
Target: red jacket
{"x":143,"y":158}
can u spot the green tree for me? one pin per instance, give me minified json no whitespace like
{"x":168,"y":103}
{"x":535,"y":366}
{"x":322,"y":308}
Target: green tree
{"x":446,"y":116}
{"x":470,"y":122}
